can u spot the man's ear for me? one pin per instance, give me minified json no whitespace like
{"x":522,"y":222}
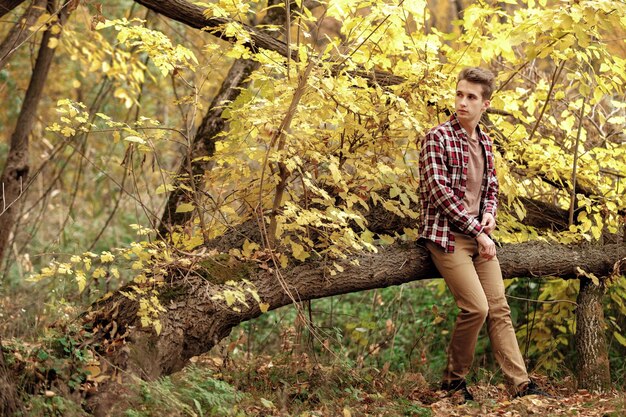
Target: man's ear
{"x":486,"y":104}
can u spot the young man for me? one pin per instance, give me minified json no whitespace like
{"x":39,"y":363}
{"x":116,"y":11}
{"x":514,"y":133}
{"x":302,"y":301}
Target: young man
{"x":458,"y":190}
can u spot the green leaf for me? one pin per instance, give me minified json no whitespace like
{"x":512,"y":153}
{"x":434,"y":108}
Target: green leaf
{"x":42,"y":355}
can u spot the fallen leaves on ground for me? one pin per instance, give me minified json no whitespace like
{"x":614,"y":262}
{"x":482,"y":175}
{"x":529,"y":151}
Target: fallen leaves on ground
{"x":496,"y":402}
{"x":296,"y":385}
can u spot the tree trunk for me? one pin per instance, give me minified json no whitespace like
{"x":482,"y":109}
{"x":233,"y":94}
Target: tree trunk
{"x":7,"y":5}
{"x":194,"y":321}
{"x":591,"y":345}
{"x":15,"y":174}
{"x":20,"y":31}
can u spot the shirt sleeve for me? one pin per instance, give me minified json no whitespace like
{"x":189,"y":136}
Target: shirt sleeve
{"x":439,"y":192}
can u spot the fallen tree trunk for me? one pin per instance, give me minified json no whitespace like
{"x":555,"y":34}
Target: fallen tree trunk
{"x":194,"y":321}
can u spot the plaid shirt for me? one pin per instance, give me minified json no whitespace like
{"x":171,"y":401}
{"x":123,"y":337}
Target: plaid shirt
{"x":443,"y":181}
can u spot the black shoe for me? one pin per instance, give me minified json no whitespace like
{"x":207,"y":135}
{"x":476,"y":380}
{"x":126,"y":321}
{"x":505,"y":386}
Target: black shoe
{"x":457,"y":385}
{"x":532,"y":389}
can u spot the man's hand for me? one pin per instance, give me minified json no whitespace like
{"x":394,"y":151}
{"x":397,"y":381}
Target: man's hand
{"x":486,"y":247}
{"x":489,"y":223}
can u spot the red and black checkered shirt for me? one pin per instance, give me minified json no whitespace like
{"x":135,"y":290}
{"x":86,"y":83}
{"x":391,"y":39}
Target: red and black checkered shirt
{"x":443,"y":181}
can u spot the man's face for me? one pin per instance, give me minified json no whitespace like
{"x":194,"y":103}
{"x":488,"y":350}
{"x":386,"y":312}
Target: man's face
{"x":469,"y":103}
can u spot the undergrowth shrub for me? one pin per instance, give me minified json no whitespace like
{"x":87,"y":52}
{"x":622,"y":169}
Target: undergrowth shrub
{"x":192,"y":392}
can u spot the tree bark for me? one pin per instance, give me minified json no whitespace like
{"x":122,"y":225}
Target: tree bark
{"x":591,"y":345}
{"x":194,"y":321}
{"x":7,"y":5}
{"x":15,"y":173}
{"x":544,"y":215}
{"x":20,"y":31}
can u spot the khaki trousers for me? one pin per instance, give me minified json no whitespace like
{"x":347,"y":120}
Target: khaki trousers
{"x":477,"y":286}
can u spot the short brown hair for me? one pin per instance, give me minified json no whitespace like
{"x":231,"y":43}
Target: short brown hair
{"x":481,"y":76}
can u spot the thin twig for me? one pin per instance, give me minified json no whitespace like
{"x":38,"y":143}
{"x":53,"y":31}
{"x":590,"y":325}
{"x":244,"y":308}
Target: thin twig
{"x":557,"y":73}
{"x":572,"y":203}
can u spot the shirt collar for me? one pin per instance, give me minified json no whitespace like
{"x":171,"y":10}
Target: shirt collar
{"x":458,"y":129}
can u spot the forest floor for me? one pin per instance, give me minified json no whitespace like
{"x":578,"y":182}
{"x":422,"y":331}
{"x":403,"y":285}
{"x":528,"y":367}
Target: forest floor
{"x":290,"y":383}
{"x":297,"y":387}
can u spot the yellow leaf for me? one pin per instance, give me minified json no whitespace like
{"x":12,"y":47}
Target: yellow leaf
{"x":185,"y":208}
{"x":140,"y":279}
{"x":135,"y":139}
{"x":94,"y":371}
{"x":248,"y":248}
{"x":283,"y":261}
{"x":386,"y":239}
{"x":81,"y":280}
{"x":267,"y":403}
{"x":194,"y":242}
{"x":298,"y":251}
{"x":165,"y":188}
{"x":596,"y":231}
{"x":229,"y":297}
{"x":621,"y":339}
{"x":53,"y":43}
{"x":106,"y":257}
{"x":265,"y":307}
{"x":99,"y":273}
{"x":67,"y":131}
{"x":589,"y":275}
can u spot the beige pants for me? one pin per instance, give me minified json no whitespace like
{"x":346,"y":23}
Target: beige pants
{"x":477,"y":287}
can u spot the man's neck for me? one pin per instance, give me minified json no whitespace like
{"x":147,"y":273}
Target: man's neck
{"x":470,"y":128}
